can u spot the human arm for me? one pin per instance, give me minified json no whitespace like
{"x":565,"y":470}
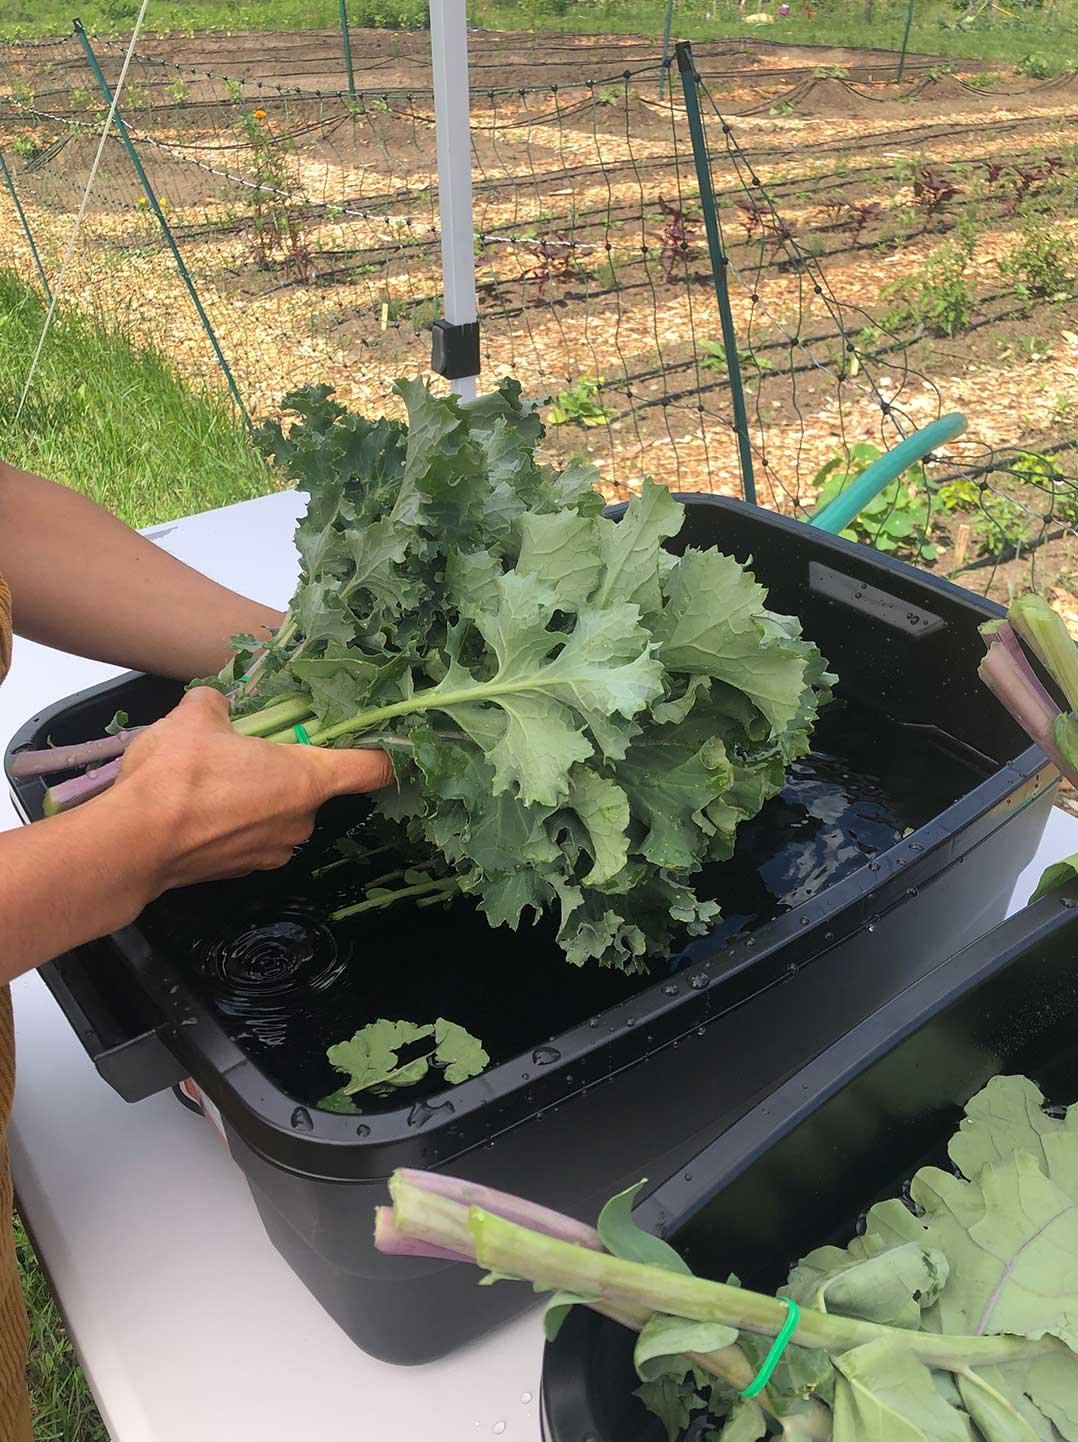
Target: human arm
{"x":84,"y":582}
{"x":194,"y":802}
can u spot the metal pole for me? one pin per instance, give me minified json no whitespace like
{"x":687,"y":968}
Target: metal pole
{"x":25,"y":225}
{"x":905,"y":40}
{"x":347,"y":49}
{"x":667,"y":27}
{"x":449,"y":54}
{"x":166,"y":229}
{"x":689,"y":83}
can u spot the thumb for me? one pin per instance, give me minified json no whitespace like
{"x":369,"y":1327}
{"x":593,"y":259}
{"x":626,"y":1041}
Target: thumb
{"x":348,"y":772}
{"x":205,"y":707}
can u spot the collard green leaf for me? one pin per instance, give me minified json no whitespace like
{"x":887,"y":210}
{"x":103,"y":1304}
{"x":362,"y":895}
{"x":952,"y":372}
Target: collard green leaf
{"x":630,"y":550}
{"x":892,"y":1287}
{"x":461,"y":1054}
{"x":663,"y":1341}
{"x":711,"y":626}
{"x":1055,"y":877}
{"x":883,"y":1394}
{"x":746,"y":1423}
{"x":562,"y":551}
{"x":673,"y":1400}
{"x":603,"y":809}
{"x":1011,"y":1240}
{"x":557,"y":1310}
{"x":621,"y":1236}
{"x":1008,"y":1116}
{"x":997,"y":1417}
{"x":371,"y":1058}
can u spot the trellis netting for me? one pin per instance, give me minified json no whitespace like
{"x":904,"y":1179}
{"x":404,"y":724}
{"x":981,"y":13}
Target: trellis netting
{"x":307,"y":222}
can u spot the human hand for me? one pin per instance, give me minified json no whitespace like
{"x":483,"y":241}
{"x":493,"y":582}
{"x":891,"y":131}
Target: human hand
{"x":212,"y":804}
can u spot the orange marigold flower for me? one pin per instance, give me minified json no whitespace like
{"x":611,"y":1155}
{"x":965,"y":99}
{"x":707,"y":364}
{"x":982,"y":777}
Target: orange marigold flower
{"x":260,"y":115}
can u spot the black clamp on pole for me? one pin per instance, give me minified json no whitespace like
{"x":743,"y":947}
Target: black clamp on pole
{"x":454,"y":351}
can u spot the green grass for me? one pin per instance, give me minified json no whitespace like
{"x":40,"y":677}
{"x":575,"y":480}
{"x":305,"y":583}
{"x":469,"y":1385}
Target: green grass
{"x":837,"y":22}
{"x":64,"y":1410}
{"x":116,"y":423}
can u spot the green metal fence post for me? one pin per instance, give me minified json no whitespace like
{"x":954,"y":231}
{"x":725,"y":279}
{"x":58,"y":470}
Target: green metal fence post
{"x":25,"y":224}
{"x":347,"y":39}
{"x":667,"y":27}
{"x":166,"y":229}
{"x":702,"y":160}
{"x":905,"y":41}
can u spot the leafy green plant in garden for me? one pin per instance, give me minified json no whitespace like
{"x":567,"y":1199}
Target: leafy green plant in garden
{"x":1041,"y":265}
{"x":895,"y":521}
{"x":1038,"y":66}
{"x":938,"y":299}
{"x":26,"y":147}
{"x":998,"y":521}
{"x":579,"y":404}
{"x":713,"y":358}
{"x":279,"y":234}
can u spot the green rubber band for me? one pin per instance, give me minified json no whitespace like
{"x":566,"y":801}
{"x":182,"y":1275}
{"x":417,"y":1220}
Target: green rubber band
{"x":774,"y":1357}
{"x":301,"y":735}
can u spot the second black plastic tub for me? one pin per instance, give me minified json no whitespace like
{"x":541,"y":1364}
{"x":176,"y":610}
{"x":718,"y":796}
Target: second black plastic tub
{"x":849,"y":1129}
{"x":893,"y":845}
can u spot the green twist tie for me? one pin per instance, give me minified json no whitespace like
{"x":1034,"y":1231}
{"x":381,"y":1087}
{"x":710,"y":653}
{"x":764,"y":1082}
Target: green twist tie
{"x":301,"y":735}
{"x":774,"y":1357}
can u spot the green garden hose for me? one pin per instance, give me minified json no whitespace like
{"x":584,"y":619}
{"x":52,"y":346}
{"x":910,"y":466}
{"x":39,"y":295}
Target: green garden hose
{"x":838,"y":514}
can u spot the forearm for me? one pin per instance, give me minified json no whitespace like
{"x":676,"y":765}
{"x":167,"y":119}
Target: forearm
{"x":84,"y":582}
{"x":70,"y":879}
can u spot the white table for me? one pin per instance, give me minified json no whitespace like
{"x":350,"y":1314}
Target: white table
{"x":189,"y":1325}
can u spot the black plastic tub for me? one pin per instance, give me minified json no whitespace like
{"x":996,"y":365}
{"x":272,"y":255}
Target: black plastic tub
{"x":893,"y":845}
{"x":850,"y":1128}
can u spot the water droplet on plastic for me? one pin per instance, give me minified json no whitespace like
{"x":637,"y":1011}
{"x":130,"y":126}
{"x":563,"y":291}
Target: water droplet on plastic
{"x":422,"y":1112}
{"x":873,"y":866}
{"x":670,"y":990}
{"x":498,"y":1428}
{"x":751,"y":942}
{"x":916,"y":846}
{"x":804,"y":921}
{"x":544,"y":1055}
{"x":630,"y":1021}
{"x":363,"y":1130}
{"x":524,"y":1075}
{"x":698,"y":982}
{"x":525,"y":1397}
{"x":829,"y":936}
{"x":700,"y":1031}
{"x":688,"y":1176}
{"x":911,"y":892}
{"x":301,"y":1120}
{"x":1067,"y":902}
{"x":593,"y":1022}
{"x":791,"y":968}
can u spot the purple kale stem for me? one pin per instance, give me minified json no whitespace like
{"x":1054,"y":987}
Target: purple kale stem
{"x":393,"y":1243}
{"x":70,"y":758}
{"x":1005,"y":635}
{"x":82,"y":788}
{"x":1009,"y":679}
{"x":503,"y":1204}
